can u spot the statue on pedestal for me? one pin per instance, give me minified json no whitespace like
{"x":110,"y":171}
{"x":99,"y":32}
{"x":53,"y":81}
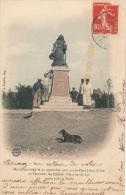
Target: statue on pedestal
{"x":59,"y":52}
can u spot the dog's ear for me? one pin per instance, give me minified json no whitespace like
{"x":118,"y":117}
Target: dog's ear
{"x":64,"y":132}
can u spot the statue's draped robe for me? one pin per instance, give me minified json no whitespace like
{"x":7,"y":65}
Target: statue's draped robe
{"x":58,"y":55}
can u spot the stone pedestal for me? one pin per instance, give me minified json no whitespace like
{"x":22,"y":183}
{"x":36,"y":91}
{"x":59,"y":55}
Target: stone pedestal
{"x":60,"y":85}
{"x":60,"y":99}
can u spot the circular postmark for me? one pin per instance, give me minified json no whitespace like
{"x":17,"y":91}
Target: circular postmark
{"x":101,"y":40}
{"x":101,"y":37}
{"x":16,"y":152}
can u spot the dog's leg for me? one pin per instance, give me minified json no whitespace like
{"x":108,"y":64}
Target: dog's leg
{"x":80,"y":141}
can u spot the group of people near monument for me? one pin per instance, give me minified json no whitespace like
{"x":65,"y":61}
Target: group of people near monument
{"x":43,"y":87}
{"x":42,"y":90}
{"x":84,"y":97}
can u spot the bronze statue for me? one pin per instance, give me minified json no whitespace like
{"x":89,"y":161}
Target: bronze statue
{"x":59,"y":52}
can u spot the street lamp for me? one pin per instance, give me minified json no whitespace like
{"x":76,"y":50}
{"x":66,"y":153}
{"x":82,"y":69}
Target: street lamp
{"x":109,"y":85}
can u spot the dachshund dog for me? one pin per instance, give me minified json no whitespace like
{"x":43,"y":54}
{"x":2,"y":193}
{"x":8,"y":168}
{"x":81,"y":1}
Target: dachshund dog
{"x":70,"y":138}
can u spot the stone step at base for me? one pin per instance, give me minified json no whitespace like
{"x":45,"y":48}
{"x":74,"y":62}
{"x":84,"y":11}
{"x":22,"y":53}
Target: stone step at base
{"x":61,"y":104}
{"x":54,"y":102}
{"x":60,"y":99}
{"x":61,"y":110}
{"x":65,"y":100}
{"x":61,"y":107}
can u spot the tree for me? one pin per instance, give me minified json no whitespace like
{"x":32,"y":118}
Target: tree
{"x":8,"y":101}
{"x":111,"y":101}
{"x":24,"y":97}
{"x":23,"y":100}
{"x":104,"y":100}
{"x":108,"y":86}
{"x":97,"y":99}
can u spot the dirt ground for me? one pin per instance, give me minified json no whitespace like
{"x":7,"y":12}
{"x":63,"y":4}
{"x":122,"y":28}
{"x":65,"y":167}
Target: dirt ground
{"x":38,"y":135}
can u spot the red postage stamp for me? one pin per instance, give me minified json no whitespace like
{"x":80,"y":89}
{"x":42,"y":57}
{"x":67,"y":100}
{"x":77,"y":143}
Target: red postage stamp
{"x":105,"y":18}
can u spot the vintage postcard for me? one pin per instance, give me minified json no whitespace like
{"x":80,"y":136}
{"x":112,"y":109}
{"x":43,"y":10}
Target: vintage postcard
{"x":62,"y":97}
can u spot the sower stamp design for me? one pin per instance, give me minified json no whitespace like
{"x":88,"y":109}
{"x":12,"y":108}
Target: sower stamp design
{"x":105,"y":18}
{"x":105,"y":21}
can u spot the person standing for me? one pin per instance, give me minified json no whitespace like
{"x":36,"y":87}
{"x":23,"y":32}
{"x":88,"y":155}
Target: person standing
{"x":80,"y":96}
{"x":50,"y":77}
{"x":73,"y":95}
{"x":87,"y":92}
{"x":46,"y":83}
{"x":37,"y":93}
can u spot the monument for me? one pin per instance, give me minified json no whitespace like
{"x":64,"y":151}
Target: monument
{"x":60,"y":81}
{"x":60,"y":69}
{"x":60,"y":96}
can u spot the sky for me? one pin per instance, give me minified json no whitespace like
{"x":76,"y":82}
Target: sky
{"x":29,"y":29}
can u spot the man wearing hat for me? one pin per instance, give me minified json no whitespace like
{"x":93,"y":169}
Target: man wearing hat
{"x":87,"y":92}
{"x":80,"y":96}
{"x":37,"y":93}
{"x":73,"y":95}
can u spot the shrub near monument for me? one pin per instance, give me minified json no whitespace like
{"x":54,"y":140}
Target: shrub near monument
{"x":23,"y":99}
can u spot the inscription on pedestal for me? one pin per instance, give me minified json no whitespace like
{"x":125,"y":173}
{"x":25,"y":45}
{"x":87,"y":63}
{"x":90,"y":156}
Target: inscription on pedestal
{"x":60,"y":85}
